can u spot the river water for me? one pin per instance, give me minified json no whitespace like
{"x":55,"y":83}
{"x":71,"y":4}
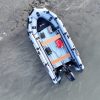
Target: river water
{"x":22,"y":75}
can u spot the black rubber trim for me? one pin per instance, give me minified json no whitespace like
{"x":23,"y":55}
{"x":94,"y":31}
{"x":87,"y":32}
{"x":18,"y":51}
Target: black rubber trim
{"x":50,"y":18}
{"x":37,"y":13}
{"x":65,"y":33}
{"x":68,"y":36}
{"x":47,"y":12}
{"x":31,"y":11}
{"x":37,"y":38}
{"x":73,"y":48}
{"x":80,"y":65}
{"x":57,"y":27}
{"x":29,"y":22}
{"x":55,"y":18}
{"x":38,"y":52}
{"x":29,"y":32}
{"x":33,"y":27}
{"x":38,"y":48}
{"x":46,"y":64}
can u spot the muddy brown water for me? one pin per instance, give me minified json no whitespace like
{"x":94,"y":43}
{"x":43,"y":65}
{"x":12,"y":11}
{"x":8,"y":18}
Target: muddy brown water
{"x":22,"y":75}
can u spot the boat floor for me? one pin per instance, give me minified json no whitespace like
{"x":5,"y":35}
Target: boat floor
{"x":56,"y":52}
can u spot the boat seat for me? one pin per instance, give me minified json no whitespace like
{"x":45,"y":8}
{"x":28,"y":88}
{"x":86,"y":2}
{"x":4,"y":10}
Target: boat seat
{"x":52,"y":39}
{"x":67,"y":55}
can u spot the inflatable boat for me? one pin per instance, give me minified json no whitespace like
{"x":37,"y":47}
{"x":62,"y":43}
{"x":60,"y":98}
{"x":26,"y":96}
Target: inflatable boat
{"x":53,"y":44}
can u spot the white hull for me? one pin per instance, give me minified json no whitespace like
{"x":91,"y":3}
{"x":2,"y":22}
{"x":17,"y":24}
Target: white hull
{"x":49,"y":60}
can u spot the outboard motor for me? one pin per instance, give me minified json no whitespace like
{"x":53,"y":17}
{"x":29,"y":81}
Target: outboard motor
{"x":69,"y":74}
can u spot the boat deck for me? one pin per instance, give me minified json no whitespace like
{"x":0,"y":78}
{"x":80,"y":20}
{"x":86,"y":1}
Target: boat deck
{"x":58,"y":56}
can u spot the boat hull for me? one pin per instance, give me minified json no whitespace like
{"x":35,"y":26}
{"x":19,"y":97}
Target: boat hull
{"x":34,"y":31}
